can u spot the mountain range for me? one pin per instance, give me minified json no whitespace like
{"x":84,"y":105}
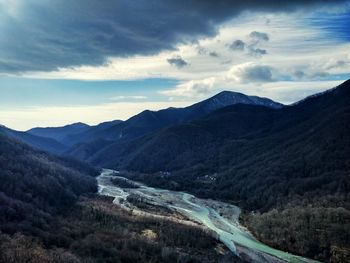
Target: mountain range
{"x":83,"y":141}
{"x":60,"y":133}
{"x":228,"y":137}
{"x":249,"y":149}
{"x":41,"y":143}
{"x":151,"y":121}
{"x":286,"y":166}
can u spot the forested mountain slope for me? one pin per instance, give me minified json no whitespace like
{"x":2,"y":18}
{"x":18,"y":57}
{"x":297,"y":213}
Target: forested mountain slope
{"x":40,"y":220}
{"x":93,"y":133}
{"x":42,"y":143}
{"x":59,"y":133}
{"x":35,"y":185}
{"x":245,"y":147}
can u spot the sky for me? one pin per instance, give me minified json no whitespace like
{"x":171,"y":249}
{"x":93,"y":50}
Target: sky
{"x":92,"y":61}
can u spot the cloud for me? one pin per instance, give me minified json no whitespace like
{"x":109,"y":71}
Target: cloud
{"x":321,"y":70}
{"x":24,"y":118}
{"x":251,"y":46}
{"x":289,"y":92}
{"x":136,"y":97}
{"x":238,"y":45}
{"x":257,"y":52}
{"x":299,"y":74}
{"x":309,"y":75}
{"x":178,"y":62}
{"x":287,"y":53}
{"x":39,"y":35}
{"x":193,"y":88}
{"x":333,"y":64}
{"x":259,"y":36}
{"x":213,"y":54}
{"x":203,"y":51}
{"x":250,"y":72}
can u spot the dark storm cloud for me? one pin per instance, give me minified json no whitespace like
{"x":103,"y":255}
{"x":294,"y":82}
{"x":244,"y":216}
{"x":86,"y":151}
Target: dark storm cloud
{"x":40,"y":35}
{"x":177,"y":62}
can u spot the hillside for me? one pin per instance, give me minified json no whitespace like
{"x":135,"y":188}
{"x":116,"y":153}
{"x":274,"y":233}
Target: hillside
{"x":59,"y":133}
{"x":42,"y":219}
{"x":37,"y":142}
{"x":91,"y":134}
{"x":34,"y":186}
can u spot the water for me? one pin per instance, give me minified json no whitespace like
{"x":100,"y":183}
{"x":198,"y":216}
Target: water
{"x":226,"y":226}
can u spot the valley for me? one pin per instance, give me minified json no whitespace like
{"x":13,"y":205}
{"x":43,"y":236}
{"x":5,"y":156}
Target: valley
{"x":174,"y":131}
{"x":248,"y":178}
{"x":225,"y":224}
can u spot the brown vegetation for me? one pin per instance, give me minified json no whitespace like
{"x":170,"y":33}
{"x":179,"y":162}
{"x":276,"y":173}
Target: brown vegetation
{"x":319,"y":232}
{"x":95,"y":230}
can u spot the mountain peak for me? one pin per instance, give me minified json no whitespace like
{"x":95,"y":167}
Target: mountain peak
{"x":77,"y":124}
{"x":228,"y":92}
{"x":227,"y":98}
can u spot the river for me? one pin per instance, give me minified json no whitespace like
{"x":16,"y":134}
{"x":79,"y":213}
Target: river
{"x":221,"y":218}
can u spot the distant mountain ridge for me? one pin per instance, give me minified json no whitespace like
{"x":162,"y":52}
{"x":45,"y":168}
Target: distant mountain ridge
{"x":91,"y":134}
{"x":59,"y":133}
{"x":83,"y":141}
{"x":150,"y":121}
{"x":37,"y":142}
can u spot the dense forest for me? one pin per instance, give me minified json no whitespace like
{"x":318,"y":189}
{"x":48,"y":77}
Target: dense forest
{"x":261,"y":159}
{"x":49,"y":214}
{"x":309,"y":230}
{"x":95,"y":230}
{"x":34,"y":186}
